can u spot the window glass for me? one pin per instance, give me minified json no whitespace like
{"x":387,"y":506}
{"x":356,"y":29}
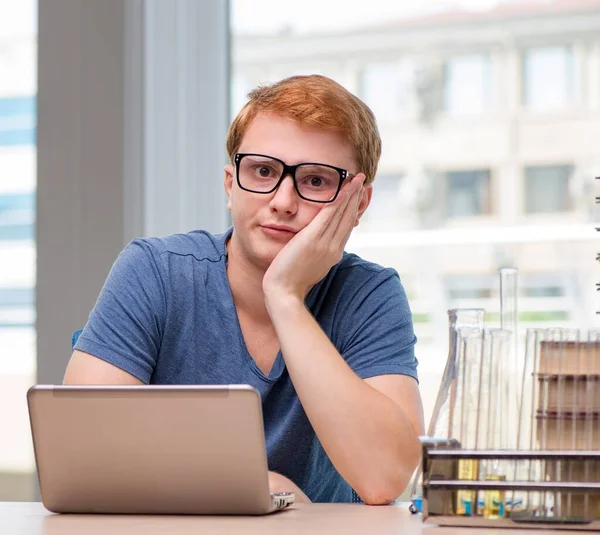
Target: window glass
{"x":17,"y":216}
{"x":467,"y":193}
{"x":386,"y":88}
{"x":387,"y":204}
{"x":547,"y":189}
{"x":468,"y":84}
{"x":548,"y":78}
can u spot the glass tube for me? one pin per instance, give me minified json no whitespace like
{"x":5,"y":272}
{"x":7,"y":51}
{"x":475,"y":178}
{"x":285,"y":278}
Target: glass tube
{"x":509,"y":321}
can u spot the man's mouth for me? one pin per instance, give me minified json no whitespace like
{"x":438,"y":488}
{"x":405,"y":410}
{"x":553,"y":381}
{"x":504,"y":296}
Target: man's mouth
{"x":278,"y":230}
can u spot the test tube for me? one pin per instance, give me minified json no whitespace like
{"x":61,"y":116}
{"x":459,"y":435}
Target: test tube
{"x":509,"y":321}
{"x":468,"y":390}
{"x":497,"y":425}
{"x":529,"y":412}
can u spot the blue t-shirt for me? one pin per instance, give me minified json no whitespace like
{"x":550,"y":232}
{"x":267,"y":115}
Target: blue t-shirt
{"x":166,"y":315}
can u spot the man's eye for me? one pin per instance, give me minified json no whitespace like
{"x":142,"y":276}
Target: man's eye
{"x":264,"y":171}
{"x":316,"y":182}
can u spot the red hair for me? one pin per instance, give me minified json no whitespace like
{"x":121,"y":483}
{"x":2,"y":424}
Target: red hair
{"x":314,"y":101}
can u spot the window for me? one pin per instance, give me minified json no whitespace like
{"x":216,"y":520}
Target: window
{"x":17,"y":120}
{"x":547,"y":189}
{"x":544,"y":297}
{"x":549,"y":80}
{"x":468,"y":84}
{"x":468,"y":193}
{"x":386,"y":87}
{"x":17,"y":216}
{"x":386,"y":203}
{"x":17,"y":307}
{"x":10,"y":297}
{"x":543,"y":291}
{"x":533,"y":285}
{"x":541,"y":296}
{"x":470,"y":287}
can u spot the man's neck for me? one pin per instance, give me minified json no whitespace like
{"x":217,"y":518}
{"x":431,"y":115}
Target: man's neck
{"x":245,"y":280}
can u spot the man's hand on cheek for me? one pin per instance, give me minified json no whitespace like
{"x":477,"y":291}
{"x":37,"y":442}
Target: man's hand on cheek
{"x":313,"y":251}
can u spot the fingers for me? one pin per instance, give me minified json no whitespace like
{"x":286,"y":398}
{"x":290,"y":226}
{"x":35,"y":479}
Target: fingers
{"x":342,"y":221}
{"x":348,"y":220}
{"x":333,"y":213}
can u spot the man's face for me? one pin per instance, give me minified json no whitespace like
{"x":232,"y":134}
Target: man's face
{"x":256,"y":216}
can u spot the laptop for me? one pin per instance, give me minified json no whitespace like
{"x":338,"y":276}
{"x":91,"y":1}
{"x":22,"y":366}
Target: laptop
{"x":152,"y":450}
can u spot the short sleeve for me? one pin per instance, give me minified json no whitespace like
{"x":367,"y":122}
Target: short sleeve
{"x":126,"y":324}
{"x":377,"y":334}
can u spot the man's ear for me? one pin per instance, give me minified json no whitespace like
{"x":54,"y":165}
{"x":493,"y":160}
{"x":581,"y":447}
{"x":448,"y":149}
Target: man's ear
{"x":228,"y":183}
{"x":365,"y":200}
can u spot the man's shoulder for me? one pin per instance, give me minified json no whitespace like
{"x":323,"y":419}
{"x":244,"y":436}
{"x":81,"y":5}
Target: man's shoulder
{"x":352,"y":265}
{"x":353,"y":280}
{"x":200,"y":244}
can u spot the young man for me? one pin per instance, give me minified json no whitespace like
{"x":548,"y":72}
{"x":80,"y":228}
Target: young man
{"x":274,"y":302}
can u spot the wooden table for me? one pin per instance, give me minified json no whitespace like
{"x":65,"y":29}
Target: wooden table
{"x":347,"y":519}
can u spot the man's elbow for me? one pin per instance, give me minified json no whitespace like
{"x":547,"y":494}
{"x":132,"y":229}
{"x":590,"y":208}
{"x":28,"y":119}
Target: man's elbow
{"x":387,"y":489}
{"x":383,"y":492}
{"x":377,"y":498}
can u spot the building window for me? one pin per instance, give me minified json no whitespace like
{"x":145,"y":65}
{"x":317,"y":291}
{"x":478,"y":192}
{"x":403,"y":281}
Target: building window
{"x":17,"y":120}
{"x":386,"y":88}
{"x":386,"y":206}
{"x":17,"y":307}
{"x":468,"y":84}
{"x":468,"y":193}
{"x":544,"y":291}
{"x":543,"y":284}
{"x":549,"y":78}
{"x":17,"y":216}
{"x":11,"y":297}
{"x":547,"y":189}
{"x":469,"y":287}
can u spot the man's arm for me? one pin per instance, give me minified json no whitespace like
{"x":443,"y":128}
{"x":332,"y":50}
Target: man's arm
{"x":369,"y":428}
{"x":85,"y":369}
{"x":121,"y":339}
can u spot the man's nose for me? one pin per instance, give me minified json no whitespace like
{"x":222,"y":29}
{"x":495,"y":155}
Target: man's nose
{"x":285,"y":198}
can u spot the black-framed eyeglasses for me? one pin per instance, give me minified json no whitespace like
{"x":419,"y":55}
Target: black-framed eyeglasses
{"x":316,"y":182}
